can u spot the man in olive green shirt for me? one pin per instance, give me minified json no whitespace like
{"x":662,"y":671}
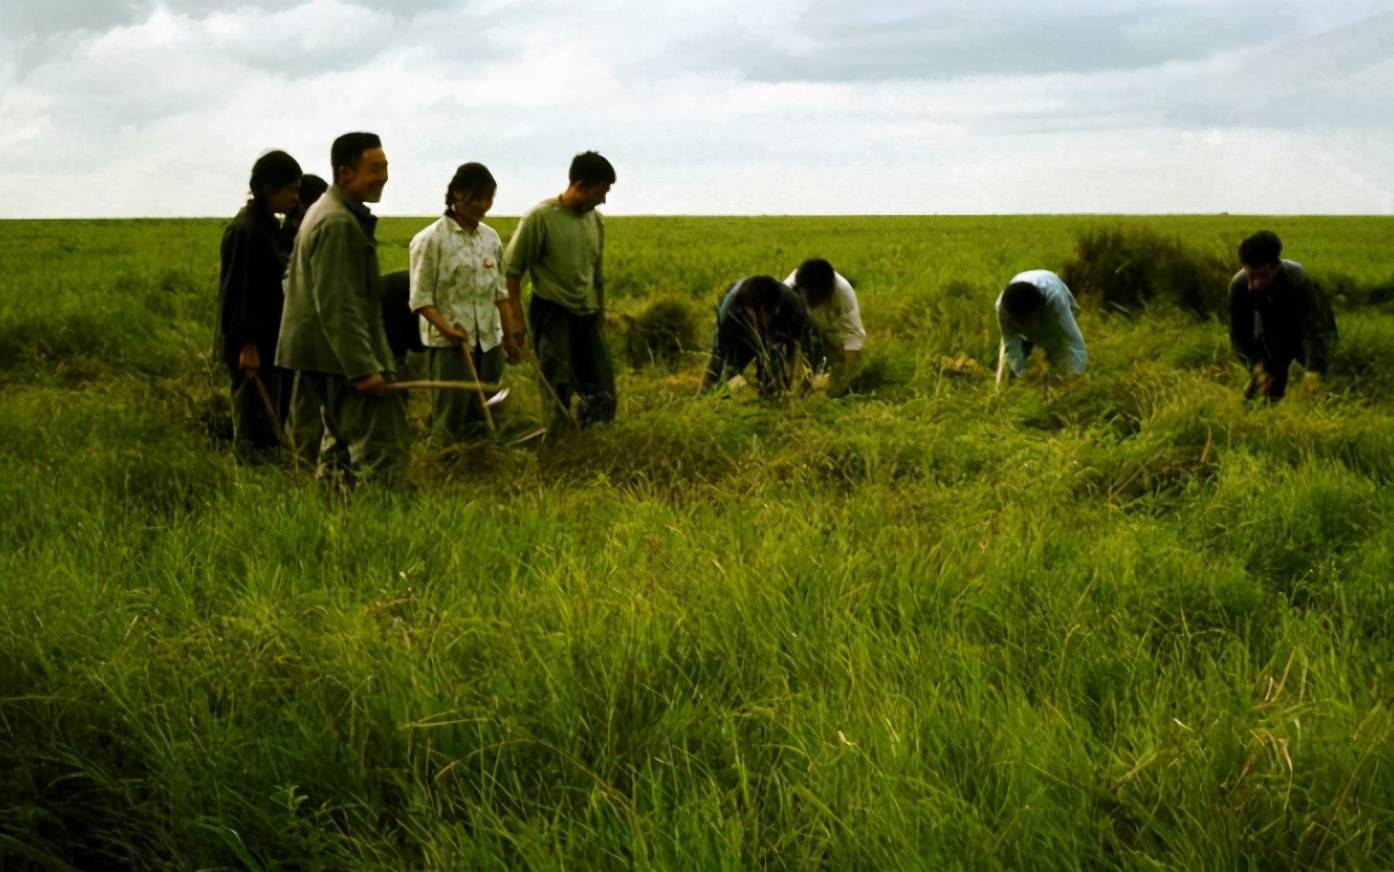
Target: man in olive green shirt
{"x":559,"y":245}
{"x":332,"y":330}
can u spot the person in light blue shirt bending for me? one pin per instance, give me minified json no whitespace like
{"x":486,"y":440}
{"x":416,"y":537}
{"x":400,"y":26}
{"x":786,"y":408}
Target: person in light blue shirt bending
{"x":1037,"y":309}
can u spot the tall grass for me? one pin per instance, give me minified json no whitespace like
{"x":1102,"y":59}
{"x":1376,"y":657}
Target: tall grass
{"x":1125,"y":622}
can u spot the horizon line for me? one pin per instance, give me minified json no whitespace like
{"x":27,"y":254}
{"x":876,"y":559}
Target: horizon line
{"x":715,"y":215}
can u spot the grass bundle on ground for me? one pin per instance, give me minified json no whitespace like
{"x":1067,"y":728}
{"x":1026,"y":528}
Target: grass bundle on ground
{"x":1126,"y":270}
{"x":661,"y":332}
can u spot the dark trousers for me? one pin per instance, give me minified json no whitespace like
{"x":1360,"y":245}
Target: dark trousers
{"x":253,"y":433}
{"x":774,"y":363}
{"x":575,"y":359}
{"x":365,"y":438}
{"x":1276,"y":364}
{"x":458,"y":416}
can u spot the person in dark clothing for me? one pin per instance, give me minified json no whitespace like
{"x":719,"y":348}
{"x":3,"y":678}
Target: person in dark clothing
{"x":759,"y":319}
{"x":312,"y":187}
{"x":250,"y":300}
{"x":403,"y":334}
{"x":1277,"y":315}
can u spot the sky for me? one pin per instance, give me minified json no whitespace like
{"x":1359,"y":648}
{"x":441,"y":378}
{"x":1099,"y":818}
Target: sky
{"x":146,"y":108}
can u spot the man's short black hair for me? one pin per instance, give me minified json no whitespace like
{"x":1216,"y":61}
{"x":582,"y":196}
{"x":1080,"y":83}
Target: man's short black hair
{"x":815,"y":277}
{"x":470,"y":178}
{"x":1264,"y":248}
{"x":589,"y":168}
{"x":348,"y":149}
{"x":760,"y":294}
{"x":275,"y":169}
{"x":1022,"y":300}
{"x":312,"y":187}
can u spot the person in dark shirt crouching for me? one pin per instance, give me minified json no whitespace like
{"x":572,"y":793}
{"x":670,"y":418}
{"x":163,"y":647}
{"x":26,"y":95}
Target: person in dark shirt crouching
{"x":1277,"y":315}
{"x":762,"y":320}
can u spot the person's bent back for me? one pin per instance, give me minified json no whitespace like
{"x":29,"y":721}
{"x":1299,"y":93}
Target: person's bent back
{"x":763,"y":321}
{"x":1036,"y":309}
{"x":833,"y":311}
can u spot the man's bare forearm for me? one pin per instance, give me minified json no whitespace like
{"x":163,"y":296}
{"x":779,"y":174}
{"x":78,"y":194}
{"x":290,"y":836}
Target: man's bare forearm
{"x":506,"y":315}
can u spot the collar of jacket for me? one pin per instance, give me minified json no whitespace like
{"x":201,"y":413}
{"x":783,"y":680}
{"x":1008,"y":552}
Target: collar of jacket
{"x":257,"y":214}
{"x":366,"y":219}
{"x":456,"y":227}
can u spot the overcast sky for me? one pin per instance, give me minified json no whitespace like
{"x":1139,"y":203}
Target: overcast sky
{"x":132,"y":107}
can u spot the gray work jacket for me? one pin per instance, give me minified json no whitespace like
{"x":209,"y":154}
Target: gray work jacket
{"x":332,"y":322}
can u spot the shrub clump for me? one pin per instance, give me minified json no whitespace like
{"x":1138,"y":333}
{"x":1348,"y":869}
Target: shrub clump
{"x":1129,"y":269}
{"x":660,"y":333}
{"x":1344,"y":291}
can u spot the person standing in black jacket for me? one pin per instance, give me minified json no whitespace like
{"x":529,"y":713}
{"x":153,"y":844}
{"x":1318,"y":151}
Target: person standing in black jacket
{"x":1277,"y":315}
{"x":250,"y":298}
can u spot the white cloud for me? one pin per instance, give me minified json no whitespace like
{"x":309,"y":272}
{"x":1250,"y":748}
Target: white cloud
{"x":308,"y":32}
{"x":164,"y":114}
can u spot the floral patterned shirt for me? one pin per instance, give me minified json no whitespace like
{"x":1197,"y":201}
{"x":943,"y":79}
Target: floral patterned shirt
{"x":460,"y":272}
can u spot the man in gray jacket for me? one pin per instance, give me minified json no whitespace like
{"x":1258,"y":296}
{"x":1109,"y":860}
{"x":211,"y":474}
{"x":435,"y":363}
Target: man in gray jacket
{"x":332,"y":330}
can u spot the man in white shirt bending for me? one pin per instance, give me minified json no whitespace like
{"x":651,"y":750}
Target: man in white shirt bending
{"x":833,"y":311}
{"x":1037,"y":310}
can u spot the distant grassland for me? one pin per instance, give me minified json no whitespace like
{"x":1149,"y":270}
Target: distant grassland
{"x":1124,"y":623}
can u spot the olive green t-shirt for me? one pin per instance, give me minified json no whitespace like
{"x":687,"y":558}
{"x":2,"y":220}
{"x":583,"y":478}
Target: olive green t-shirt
{"x":561,"y":252}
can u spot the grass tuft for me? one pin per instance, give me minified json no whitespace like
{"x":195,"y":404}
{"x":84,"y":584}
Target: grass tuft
{"x":1128,"y":269}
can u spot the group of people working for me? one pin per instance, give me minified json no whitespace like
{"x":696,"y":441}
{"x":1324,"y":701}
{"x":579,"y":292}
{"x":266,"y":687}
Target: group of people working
{"x":310,"y":331}
{"x":306,"y":319}
{"x":1278,"y":316}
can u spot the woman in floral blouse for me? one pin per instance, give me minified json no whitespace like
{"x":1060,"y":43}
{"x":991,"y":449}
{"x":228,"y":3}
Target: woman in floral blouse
{"x":458,"y":289}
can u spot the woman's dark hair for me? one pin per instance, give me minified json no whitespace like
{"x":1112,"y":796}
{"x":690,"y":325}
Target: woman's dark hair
{"x":275,"y":169}
{"x":312,"y":187}
{"x":470,"y":178}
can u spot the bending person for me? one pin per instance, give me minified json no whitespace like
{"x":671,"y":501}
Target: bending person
{"x":834,"y":313}
{"x":760,"y":320}
{"x":1037,"y":309}
{"x":1277,"y":315}
{"x":250,"y":300}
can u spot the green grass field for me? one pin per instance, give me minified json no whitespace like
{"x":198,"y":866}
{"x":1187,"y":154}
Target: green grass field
{"x":1122,"y":623}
